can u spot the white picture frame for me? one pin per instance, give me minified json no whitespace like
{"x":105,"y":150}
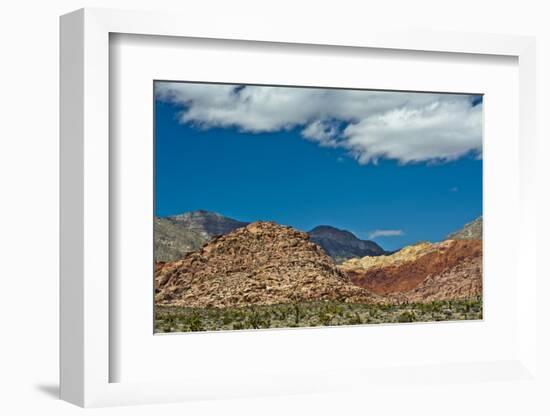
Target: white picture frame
{"x":85,"y":212}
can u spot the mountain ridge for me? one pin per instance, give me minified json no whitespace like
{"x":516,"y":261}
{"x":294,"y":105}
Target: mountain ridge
{"x":472,"y":230}
{"x":425,"y":272}
{"x":180,"y":234}
{"x":207,"y":223}
{"x":342,"y":245}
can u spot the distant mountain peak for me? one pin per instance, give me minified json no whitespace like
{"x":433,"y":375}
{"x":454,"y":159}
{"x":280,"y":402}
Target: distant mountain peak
{"x":323,"y":228}
{"x":343,"y":244}
{"x":196,"y":213}
{"x":329,"y":228}
{"x":333,"y":231}
{"x":203,"y":212}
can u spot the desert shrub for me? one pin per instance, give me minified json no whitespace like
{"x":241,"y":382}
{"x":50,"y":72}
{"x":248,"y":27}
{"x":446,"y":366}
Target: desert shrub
{"x":255,"y":320}
{"x":170,"y":319}
{"x":227,"y":319}
{"x":195,"y":323}
{"x":355,"y":319}
{"x":425,"y":307}
{"x":333,"y":309}
{"x":374,"y":313}
{"x":406,"y":316}
{"x":325,"y":318}
{"x":297,"y":314}
{"x":238,"y":325}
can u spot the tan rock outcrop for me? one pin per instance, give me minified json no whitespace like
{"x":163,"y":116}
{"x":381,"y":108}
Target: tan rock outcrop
{"x":260,"y":264}
{"x":422,"y":272}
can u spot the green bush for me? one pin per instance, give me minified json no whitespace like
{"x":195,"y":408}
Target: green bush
{"x":325,"y":318}
{"x":254,"y":321}
{"x":406,"y":316}
{"x":195,"y":323}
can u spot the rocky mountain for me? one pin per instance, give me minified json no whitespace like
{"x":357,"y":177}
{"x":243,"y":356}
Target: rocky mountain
{"x":406,"y":269}
{"x":462,"y":281}
{"x":472,"y":230}
{"x":177,"y":235}
{"x":342,"y":245}
{"x":208,"y":224}
{"x":172,"y":240}
{"x":261,"y":264}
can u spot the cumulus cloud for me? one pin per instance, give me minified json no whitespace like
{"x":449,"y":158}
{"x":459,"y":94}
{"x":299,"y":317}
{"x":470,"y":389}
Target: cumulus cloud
{"x":385,"y":233}
{"x":369,"y":125}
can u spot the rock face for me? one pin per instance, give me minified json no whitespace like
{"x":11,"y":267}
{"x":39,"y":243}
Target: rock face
{"x":180,"y":234}
{"x":172,"y":241}
{"x":260,"y":264}
{"x":462,"y":281}
{"x":208,"y":224}
{"x":342,"y":245}
{"x":422,"y":272}
{"x":471,"y":231}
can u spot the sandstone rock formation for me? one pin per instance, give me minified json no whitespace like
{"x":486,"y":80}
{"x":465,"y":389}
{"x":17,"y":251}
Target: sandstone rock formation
{"x":422,"y":272}
{"x":462,"y":281}
{"x":261,"y":264}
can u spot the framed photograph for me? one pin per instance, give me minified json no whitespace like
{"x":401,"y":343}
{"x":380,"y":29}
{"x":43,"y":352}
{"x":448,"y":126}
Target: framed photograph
{"x":300,"y":167}
{"x":313,"y":203}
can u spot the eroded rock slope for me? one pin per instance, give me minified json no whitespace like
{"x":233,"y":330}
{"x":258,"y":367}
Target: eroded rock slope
{"x":423,"y":272}
{"x":261,"y":264}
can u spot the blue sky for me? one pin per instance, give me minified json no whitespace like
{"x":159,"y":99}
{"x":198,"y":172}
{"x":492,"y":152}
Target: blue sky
{"x":399,"y":169}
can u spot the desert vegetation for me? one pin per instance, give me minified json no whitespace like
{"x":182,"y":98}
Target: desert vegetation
{"x":312,"y":314}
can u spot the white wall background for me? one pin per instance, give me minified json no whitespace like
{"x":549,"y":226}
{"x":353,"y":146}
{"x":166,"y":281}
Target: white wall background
{"x":29,"y":57}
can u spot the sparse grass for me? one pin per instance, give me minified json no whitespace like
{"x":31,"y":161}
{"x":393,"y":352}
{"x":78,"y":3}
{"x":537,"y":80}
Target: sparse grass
{"x":322,"y":313}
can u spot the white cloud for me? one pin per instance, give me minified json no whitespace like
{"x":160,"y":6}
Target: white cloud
{"x":370,"y":125}
{"x":385,"y":233}
{"x":322,"y":131}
